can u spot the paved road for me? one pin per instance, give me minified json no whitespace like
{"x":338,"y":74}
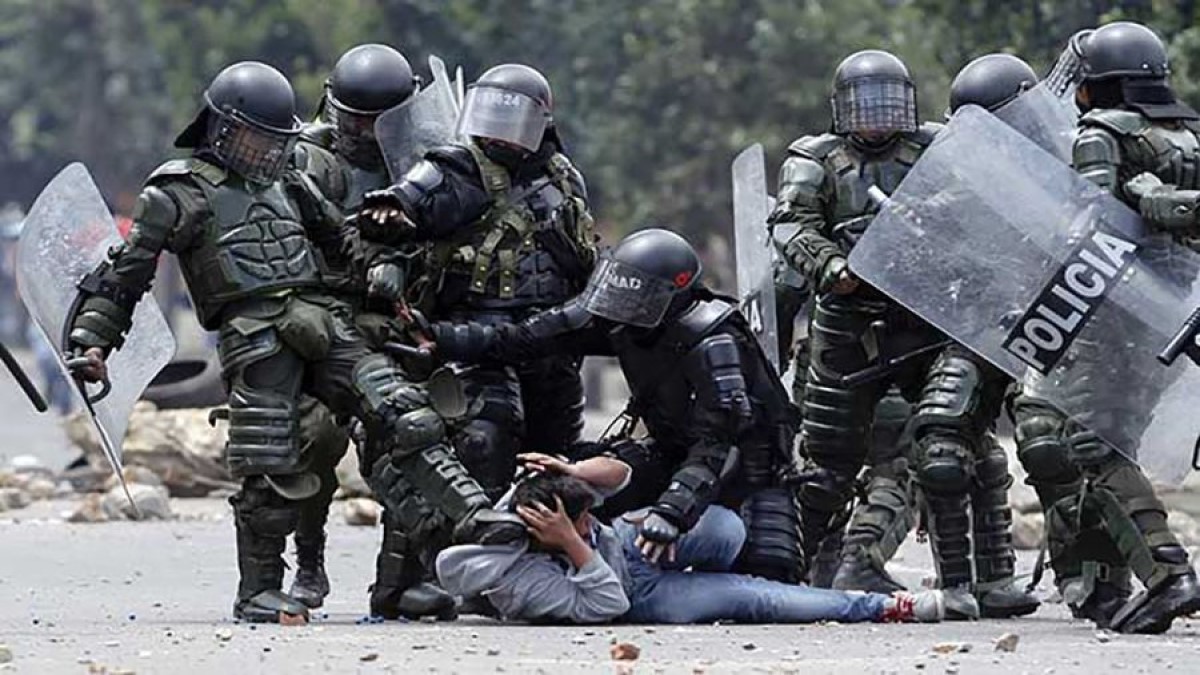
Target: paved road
{"x":154,"y":598}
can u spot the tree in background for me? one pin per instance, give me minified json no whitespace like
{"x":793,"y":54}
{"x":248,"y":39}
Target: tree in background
{"x":655,"y":96}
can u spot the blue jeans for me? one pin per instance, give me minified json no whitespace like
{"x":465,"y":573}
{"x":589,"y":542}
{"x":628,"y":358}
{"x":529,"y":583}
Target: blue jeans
{"x":666,"y":593}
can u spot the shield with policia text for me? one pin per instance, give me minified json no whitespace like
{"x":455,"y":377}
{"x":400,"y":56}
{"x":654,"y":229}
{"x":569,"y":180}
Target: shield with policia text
{"x":67,"y":234}
{"x":1007,"y":250}
{"x":755,"y":250}
{"x":423,"y":122}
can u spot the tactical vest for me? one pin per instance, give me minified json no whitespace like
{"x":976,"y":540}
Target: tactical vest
{"x":851,"y":172}
{"x":250,"y":244}
{"x":344,"y":185}
{"x":502,"y":260}
{"x":1168,"y":149}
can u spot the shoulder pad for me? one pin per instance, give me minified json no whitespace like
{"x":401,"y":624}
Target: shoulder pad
{"x":178,"y":168}
{"x":925,"y":133}
{"x":698,"y":322}
{"x":455,"y":158}
{"x":816,"y":147}
{"x":1121,"y":122}
{"x":318,"y":134}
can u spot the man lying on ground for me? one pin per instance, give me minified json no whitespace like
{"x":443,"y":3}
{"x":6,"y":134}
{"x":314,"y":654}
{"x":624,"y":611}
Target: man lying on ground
{"x":576,"y":569}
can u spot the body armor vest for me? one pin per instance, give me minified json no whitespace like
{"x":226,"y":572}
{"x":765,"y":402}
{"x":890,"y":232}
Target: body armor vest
{"x":505,"y":261}
{"x":251,"y":244}
{"x":1170,"y":149}
{"x":852,"y":171}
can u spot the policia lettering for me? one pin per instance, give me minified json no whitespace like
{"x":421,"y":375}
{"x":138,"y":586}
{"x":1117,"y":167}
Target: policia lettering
{"x":1048,"y":328}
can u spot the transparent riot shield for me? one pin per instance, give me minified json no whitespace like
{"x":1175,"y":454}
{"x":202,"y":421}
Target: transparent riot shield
{"x":426,"y":120}
{"x":1011,"y":253}
{"x":755,"y":249}
{"x":1043,"y":118}
{"x":67,"y":233}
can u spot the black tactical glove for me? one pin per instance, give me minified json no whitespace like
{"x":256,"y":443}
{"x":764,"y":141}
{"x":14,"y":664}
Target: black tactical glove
{"x":386,"y":281}
{"x":658,"y":536}
{"x":382,"y":218}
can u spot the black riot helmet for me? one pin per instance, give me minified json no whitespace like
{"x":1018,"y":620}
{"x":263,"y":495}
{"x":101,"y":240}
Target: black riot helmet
{"x":1125,"y":65}
{"x":1123,"y":50}
{"x":991,"y":81}
{"x":873,"y":96}
{"x":510,"y":103}
{"x":366,"y":81}
{"x":648,"y":273}
{"x":248,"y":123}
{"x":1067,"y":72}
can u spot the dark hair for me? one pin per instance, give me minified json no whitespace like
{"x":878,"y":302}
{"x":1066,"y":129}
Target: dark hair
{"x":542,"y":488}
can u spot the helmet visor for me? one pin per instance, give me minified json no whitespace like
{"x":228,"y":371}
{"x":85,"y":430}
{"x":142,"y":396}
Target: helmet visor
{"x":626,"y":295}
{"x":258,"y":155}
{"x":502,"y":115}
{"x":1064,"y":78}
{"x":880,"y":105}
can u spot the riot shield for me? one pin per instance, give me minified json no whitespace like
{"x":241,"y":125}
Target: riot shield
{"x":1017,"y":257}
{"x":67,"y":234}
{"x":755,"y":249}
{"x":426,"y":120}
{"x":1044,"y":119}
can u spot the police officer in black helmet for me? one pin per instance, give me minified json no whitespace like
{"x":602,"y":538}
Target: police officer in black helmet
{"x":508,"y":230}
{"x":337,"y":161}
{"x":719,"y":421}
{"x":252,"y":272}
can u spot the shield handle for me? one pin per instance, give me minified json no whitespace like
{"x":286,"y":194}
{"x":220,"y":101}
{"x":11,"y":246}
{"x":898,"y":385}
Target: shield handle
{"x":105,"y":384}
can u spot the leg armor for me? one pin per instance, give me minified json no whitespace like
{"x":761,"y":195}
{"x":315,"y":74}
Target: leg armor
{"x":885,"y":515}
{"x":1137,"y":522}
{"x":413,"y":533}
{"x":943,"y":427}
{"x":264,"y":519}
{"x":995,"y":561}
{"x":407,"y":438}
{"x":552,"y":398}
{"x":772,"y":549}
{"x":488,"y":445}
{"x":324,"y":443}
{"x":836,"y":419}
{"x":264,"y":414}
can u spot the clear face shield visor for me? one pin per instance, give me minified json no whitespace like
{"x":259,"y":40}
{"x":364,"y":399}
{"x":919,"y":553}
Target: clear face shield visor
{"x":503,"y":115}
{"x":626,"y":295}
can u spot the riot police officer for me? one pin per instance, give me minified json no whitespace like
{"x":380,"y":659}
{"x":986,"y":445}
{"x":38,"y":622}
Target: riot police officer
{"x":506,"y":217}
{"x":1139,"y":141}
{"x":340,"y":160}
{"x":252,"y":272}
{"x":824,"y":191}
{"x":719,"y":422}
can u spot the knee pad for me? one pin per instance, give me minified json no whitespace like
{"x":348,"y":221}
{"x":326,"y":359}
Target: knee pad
{"x":950,"y":397}
{"x":943,"y":465}
{"x":416,"y":430}
{"x":1041,"y":449}
{"x":264,"y":432}
{"x":825,"y":491}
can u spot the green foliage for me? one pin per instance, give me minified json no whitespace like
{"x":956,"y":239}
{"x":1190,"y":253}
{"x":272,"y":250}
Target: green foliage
{"x":655,"y":97}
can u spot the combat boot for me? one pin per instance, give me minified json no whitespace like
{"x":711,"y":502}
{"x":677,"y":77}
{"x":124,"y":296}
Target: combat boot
{"x":401,"y":587}
{"x":1004,"y":599}
{"x":262,"y":529}
{"x":1100,"y":599}
{"x":1153,"y":611}
{"x":858,"y":572}
{"x":311,"y":584}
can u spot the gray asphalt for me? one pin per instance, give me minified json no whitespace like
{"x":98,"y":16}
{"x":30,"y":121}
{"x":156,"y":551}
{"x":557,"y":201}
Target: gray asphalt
{"x":155,"y":598}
